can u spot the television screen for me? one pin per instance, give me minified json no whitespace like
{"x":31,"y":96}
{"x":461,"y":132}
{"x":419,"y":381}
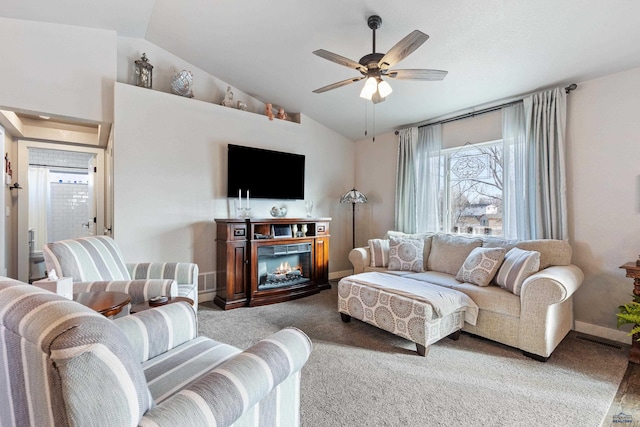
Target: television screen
{"x":267,"y":174}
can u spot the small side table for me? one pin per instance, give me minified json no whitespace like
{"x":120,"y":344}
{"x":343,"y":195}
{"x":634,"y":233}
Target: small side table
{"x":145,"y":305}
{"x":106,"y":303}
{"x":633,"y":272}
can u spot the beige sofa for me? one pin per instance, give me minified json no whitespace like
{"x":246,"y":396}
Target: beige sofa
{"x":534,"y":317}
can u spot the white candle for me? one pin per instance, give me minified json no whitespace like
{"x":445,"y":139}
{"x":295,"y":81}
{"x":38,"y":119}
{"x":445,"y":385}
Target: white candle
{"x":239,"y":198}
{"x":247,"y":199}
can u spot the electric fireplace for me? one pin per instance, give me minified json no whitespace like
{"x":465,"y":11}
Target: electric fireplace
{"x":281,"y":265}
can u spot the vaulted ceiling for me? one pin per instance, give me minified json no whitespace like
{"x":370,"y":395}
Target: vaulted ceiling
{"x":492,"y":49}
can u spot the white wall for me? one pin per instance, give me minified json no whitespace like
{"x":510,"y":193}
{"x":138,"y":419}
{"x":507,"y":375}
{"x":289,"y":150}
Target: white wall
{"x":604,"y":191}
{"x":603,"y":179}
{"x":170,"y":175}
{"x":57,"y":69}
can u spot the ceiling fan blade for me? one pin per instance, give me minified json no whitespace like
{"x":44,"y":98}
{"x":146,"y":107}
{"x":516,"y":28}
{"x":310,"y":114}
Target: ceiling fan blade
{"x":416,"y":74}
{"x":402,"y":49}
{"x":338,"y":84}
{"x":333,"y":57}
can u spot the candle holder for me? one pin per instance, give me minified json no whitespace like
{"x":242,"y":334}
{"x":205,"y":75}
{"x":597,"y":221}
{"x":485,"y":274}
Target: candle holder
{"x":243,"y":212}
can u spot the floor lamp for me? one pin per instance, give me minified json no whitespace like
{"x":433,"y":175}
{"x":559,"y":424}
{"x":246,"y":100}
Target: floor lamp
{"x":353,"y":197}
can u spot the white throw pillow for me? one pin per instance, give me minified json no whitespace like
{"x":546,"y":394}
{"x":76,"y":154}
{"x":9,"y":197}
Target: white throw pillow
{"x":518,"y":264}
{"x":481,"y":266}
{"x":379,"y":252}
{"x":406,"y":254}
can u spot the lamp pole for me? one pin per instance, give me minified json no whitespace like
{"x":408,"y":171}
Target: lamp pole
{"x":353,"y":196}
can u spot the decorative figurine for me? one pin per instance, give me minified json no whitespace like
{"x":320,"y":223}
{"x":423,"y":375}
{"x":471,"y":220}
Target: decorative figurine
{"x":181,"y":84}
{"x":144,"y":72}
{"x":242,"y":106}
{"x":281,"y":114}
{"x":268,"y":110}
{"x":228,"y":98}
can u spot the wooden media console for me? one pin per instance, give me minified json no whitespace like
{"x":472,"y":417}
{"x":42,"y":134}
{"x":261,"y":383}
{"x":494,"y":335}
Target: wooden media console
{"x":266,"y":261}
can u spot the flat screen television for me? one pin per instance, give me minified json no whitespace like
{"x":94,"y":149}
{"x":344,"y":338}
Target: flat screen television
{"x":267,"y":174}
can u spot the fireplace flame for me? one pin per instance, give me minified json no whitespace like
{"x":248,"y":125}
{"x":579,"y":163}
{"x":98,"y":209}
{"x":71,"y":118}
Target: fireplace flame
{"x":285,"y":268}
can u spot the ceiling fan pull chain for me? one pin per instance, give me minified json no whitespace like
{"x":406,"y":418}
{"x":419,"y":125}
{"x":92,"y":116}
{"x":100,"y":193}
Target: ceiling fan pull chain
{"x":373,"y":121}
{"x":366,"y":122}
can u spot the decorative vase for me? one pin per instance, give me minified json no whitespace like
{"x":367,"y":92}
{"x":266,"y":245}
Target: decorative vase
{"x":308,"y":205}
{"x":304,"y":229}
{"x":182,"y":84}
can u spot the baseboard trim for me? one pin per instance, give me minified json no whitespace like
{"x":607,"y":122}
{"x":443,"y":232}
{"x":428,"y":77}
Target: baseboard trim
{"x":340,"y":274}
{"x":602,"y":332}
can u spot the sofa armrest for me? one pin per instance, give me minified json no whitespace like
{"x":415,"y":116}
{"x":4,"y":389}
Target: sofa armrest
{"x":224,"y":394}
{"x":546,"y":308}
{"x":160,"y":329}
{"x":140,"y":290}
{"x":552,"y":285}
{"x":359,"y":258}
{"x":184,"y":273}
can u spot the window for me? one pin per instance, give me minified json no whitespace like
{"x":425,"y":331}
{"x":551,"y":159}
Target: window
{"x":471,"y":189}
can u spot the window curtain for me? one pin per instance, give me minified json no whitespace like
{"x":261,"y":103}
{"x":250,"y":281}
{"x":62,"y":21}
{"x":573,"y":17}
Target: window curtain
{"x":515,"y":209}
{"x":405,"y":209}
{"x":428,"y":178}
{"x":537,"y":153}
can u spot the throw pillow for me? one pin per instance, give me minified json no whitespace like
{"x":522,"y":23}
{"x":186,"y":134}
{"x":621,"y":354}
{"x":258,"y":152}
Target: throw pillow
{"x":518,"y":264}
{"x":406,"y":254}
{"x":481,"y":266}
{"x":379,"y":252}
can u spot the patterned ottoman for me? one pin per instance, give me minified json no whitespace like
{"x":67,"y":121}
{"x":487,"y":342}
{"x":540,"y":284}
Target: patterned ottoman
{"x":368,"y":297}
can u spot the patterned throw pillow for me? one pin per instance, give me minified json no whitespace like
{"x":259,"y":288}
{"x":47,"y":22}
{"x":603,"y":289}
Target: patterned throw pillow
{"x":518,"y":264}
{"x":481,"y":265}
{"x":379,"y":252}
{"x":406,"y":254}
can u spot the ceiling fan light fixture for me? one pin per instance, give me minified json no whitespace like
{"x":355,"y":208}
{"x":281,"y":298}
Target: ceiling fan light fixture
{"x":384,"y":88}
{"x":369,"y":88}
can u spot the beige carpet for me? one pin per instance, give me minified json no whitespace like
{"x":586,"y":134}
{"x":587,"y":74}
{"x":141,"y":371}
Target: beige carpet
{"x":358,"y":375}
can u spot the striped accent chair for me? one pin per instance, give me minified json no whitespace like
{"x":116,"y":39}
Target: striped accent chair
{"x":96,"y":264}
{"x":63,"y":364}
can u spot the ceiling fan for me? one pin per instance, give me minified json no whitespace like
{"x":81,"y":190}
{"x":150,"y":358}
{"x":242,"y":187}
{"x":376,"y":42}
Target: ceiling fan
{"x":375,"y":66}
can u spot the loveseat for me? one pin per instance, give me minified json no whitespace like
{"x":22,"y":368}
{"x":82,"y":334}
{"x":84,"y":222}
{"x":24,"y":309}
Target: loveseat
{"x":523,"y":289}
{"x":64,"y":364}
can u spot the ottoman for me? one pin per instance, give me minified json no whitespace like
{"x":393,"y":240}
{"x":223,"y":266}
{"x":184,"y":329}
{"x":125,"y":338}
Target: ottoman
{"x":397,"y":310}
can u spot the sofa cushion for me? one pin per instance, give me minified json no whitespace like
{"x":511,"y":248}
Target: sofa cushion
{"x":406,"y":254}
{"x":86,"y":259}
{"x":552,"y":251}
{"x":489,"y":298}
{"x":172,"y":371}
{"x":448,"y":252}
{"x":423,"y":236}
{"x":516,"y":267}
{"x":379,"y":252}
{"x":481,"y":266}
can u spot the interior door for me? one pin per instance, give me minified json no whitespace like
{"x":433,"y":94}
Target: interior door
{"x":91,"y":204}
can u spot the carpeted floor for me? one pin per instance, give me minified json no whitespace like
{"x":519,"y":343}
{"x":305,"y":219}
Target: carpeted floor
{"x":358,"y":375}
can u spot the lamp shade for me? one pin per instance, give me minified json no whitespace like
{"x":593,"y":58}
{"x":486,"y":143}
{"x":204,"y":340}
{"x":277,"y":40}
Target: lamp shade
{"x":369,"y":88}
{"x":353,"y":196}
{"x":384,"y":88}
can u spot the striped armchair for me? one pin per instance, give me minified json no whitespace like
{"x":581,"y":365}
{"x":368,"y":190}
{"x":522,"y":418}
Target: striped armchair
{"x":96,"y":264}
{"x":63,"y":364}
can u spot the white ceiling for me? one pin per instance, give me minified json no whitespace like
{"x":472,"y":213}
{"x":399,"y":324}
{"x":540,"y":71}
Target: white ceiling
{"x":492,"y":49}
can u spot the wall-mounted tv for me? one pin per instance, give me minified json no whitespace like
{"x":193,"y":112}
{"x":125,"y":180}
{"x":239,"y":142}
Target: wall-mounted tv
{"x":267,"y":174}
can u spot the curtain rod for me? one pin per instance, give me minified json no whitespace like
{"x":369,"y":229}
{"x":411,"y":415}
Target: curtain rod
{"x":567,"y":90}
{"x":59,"y":167}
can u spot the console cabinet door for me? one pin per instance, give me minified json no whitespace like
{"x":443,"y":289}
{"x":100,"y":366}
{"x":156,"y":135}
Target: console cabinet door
{"x":322,"y":261}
